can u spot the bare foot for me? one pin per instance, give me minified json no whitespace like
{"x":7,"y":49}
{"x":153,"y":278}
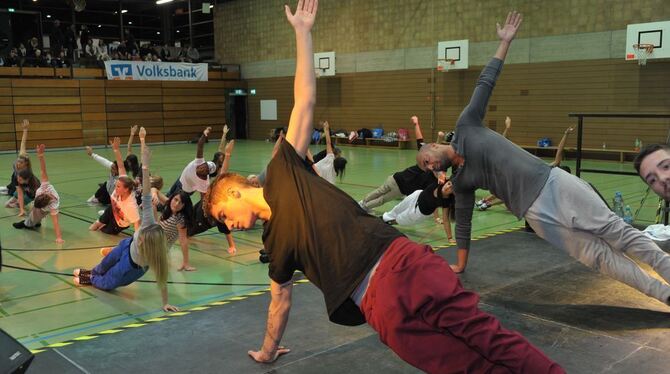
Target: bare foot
{"x":187,"y":268}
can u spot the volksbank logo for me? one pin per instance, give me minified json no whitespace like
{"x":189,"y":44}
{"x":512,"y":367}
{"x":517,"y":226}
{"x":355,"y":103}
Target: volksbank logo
{"x":122,"y":71}
{"x":166,"y":71}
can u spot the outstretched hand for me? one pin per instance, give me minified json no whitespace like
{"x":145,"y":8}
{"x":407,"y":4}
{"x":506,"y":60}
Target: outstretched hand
{"x":225,"y":129}
{"x":569,"y":130}
{"x":415,"y":120}
{"x":133,"y":130}
{"x":143,"y":134}
{"x":262,"y":357}
{"x":304,"y":16}
{"x":89,"y":150}
{"x":207,"y":131}
{"x":115,"y":143}
{"x":40,"y":150}
{"x":508,"y":122}
{"x":507,"y":32}
{"x":25,"y":124}
{"x":170,"y":308}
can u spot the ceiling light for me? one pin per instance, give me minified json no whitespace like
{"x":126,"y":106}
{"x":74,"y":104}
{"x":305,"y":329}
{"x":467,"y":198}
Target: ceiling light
{"x":124,"y":10}
{"x":211,"y":6}
{"x":159,"y":2}
{"x":177,"y":31}
{"x":158,"y":32}
{"x":130,"y":22}
{"x":99,"y":25}
{"x":48,"y":15}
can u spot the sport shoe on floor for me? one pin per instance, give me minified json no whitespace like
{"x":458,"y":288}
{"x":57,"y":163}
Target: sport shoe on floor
{"x":92,"y":200}
{"x":479,"y":203}
{"x":4,"y":190}
{"x":484,"y":206}
{"x":101,"y":212}
{"x":19,"y":225}
{"x":105,"y":251}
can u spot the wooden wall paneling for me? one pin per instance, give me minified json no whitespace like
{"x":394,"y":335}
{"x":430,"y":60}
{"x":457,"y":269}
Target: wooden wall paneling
{"x":93,"y":112}
{"x":53,"y":108}
{"x":130,"y":103}
{"x":7,"y":133}
{"x":189,"y":107}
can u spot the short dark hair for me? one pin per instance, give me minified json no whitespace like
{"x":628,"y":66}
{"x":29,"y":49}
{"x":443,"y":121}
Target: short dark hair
{"x":646,"y":151}
{"x":41,"y":201}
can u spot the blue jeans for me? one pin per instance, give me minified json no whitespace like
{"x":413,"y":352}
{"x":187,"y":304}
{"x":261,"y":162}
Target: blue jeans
{"x":116,"y":269}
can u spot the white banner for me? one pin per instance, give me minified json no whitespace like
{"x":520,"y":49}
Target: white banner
{"x":155,"y":71}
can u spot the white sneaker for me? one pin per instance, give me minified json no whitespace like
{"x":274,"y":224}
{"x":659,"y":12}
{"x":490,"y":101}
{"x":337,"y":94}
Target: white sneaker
{"x":101,"y":212}
{"x":92,"y":200}
{"x":4,"y":190}
{"x":484,"y":206}
{"x":479,"y":203}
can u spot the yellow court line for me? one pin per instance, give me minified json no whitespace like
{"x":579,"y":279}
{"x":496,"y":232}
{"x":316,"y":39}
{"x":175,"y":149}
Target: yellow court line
{"x":177,"y":314}
{"x":216,"y":303}
{"x":256,"y":293}
{"x":84,"y":338}
{"x":134,"y":325}
{"x":237,"y":298}
{"x":112,"y":331}
{"x":199,"y":308}
{"x":157,"y":319}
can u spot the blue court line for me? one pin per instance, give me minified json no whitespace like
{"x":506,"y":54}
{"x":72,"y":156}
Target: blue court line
{"x":122,"y":319}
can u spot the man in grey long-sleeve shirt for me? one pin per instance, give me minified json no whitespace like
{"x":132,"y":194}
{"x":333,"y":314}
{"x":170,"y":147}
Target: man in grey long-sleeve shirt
{"x":561,"y":208}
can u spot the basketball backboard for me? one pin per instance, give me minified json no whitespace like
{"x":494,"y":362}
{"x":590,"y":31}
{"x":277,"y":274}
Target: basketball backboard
{"x":452,"y":54}
{"x":654,"y":33}
{"x":324,"y":64}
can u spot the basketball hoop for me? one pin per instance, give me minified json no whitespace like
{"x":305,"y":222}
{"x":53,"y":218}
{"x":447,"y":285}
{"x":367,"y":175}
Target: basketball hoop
{"x":643,"y":51}
{"x":444,"y":65}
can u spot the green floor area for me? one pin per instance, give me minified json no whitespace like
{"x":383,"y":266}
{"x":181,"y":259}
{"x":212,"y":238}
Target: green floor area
{"x":40,"y":309}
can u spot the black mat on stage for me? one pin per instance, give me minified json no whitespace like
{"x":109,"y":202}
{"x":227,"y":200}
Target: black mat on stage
{"x":581,"y":319}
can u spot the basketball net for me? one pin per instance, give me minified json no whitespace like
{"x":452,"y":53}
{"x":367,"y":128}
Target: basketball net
{"x":319,"y":72}
{"x":445,"y":65}
{"x":643,"y":51}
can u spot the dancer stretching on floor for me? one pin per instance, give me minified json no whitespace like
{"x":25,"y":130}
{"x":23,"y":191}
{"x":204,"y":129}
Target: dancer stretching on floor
{"x":123,"y":210}
{"x":561,"y":208}
{"x":46,"y":202}
{"x":366,"y":269}
{"x":130,"y":260}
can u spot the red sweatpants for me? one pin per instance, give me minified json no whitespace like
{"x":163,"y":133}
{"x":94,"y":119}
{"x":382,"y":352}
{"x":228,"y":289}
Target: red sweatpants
{"x":420,"y":310}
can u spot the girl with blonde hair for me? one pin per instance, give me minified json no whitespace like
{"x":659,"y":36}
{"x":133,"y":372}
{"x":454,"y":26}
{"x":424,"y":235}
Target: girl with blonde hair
{"x":131,"y":259}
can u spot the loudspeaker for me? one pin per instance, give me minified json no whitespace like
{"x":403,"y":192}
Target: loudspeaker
{"x":14,"y":358}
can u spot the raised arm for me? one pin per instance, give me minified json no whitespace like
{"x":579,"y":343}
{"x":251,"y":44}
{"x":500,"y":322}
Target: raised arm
{"x":326,"y":133}
{"x":116,"y":143}
{"x":222,"y":144}
{"x":201,"y":143}
{"x":101,"y":160}
{"x":129,"y":150}
{"x":147,"y":207}
{"x":474,"y":112}
{"x":228,"y":152}
{"x":24,"y":137}
{"x":304,"y":85}
{"x":507,"y":32}
{"x":508,"y":125}
{"x":417,"y":131}
{"x":43,"y":165}
{"x":278,"y":313}
{"x":561,"y":145}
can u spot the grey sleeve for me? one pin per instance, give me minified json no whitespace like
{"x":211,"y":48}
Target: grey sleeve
{"x":474,"y":112}
{"x":465,"y":201}
{"x":147,"y":211}
{"x":261,"y":176}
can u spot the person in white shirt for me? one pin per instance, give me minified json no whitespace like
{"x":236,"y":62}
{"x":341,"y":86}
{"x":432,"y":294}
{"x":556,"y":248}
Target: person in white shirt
{"x":123,"y":210}
{"x":46,"y":202}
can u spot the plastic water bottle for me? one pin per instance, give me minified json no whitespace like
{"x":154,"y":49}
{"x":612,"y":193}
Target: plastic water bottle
{"x":638,"y":145}
{"x":628,"y":215}
{"x":617,"y":205}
